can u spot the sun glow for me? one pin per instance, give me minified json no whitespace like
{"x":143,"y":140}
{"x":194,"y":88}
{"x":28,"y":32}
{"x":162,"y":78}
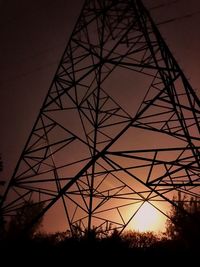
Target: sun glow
{"x":148,"y":218}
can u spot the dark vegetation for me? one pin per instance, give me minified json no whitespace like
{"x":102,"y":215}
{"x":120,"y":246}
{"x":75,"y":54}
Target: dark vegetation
{"x":2,"y":221}
{"x":180,"y":243}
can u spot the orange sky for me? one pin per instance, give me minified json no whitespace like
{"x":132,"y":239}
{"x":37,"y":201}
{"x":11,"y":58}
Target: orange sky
{"x":33,"y":38}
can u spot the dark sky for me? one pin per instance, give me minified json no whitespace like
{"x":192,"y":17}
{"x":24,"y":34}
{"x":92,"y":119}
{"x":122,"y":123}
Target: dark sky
{"x":33,"y":36}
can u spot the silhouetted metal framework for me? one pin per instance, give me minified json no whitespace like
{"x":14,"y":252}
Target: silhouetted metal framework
{"x":94,"y":153}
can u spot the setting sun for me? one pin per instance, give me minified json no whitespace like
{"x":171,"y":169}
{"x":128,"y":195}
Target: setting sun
{"x":148,"y":218}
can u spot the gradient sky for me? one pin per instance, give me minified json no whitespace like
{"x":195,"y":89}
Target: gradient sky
{"x":33,"y":37}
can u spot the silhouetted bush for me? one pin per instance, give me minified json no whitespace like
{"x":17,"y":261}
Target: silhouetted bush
{"x":184,"y":221}
{"x":21,"y":224}
{"x":140,"y":240}
{"x":2,"y":220}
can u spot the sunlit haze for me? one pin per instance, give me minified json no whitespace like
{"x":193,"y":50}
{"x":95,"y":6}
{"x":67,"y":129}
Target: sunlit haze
{"x":148,"y":219}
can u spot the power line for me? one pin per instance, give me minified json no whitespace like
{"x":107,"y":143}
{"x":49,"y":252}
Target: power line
{"x":164,"y":5}
{"x":178,"y":18}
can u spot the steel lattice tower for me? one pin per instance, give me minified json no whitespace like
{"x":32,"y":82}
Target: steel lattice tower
{"x":94,"y":152}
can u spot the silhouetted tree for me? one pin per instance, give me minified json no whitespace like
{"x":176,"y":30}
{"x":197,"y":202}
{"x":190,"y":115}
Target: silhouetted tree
{"x":23,"y":218}
{"x":184,"y":221}
{"x":2,"y":221}
{"x":1,"y":164}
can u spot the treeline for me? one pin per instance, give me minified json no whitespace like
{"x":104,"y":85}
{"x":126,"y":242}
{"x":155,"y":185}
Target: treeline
{"x":180,"y":243}
{"x":128,"y":248}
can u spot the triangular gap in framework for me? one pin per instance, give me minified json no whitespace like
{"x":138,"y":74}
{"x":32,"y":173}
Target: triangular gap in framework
{"x":156,"y":158}
{"x":175,"y":113}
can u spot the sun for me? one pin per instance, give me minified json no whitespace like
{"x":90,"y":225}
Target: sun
{"x":148,"y":218}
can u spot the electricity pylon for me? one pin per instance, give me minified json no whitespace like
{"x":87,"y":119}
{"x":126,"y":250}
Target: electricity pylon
{"x":119,"y":126}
